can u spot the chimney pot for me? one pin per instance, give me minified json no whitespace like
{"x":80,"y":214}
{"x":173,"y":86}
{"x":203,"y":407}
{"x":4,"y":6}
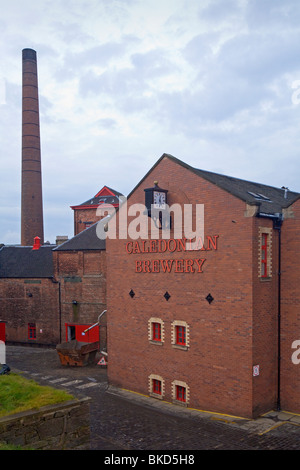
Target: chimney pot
{"x":37,"y":243}
{"x":60,"y":239}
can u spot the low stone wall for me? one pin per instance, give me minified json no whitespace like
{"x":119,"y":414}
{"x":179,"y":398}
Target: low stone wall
{"x":65,"y":426}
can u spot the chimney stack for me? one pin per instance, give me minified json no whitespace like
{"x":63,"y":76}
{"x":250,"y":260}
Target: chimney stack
{"x":32,"y":224}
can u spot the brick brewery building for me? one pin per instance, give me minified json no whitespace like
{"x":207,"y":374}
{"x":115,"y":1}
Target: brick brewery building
{"x":205,"y":328}
{"x":212,"y":328}
{"x":87,"y":213}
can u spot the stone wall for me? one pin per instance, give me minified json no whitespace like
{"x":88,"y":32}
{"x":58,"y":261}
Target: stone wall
{"x":64,"y":426}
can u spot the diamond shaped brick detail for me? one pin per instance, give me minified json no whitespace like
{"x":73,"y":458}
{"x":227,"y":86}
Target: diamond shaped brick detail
{"x":209,"y":298}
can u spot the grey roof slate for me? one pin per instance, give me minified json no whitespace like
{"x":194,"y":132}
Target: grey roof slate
{"x":100,"y":200}
{"x":107,"y":199}
{"x":24,"y":262}
{"x":271,"y":200}
{"x":85,"y":240}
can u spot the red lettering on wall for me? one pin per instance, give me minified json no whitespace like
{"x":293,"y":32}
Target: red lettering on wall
{"x":167,"y":265}
{"x":200,"y":244}
{"x":143,"y":250}
{"x":172,"y":245}
{"x":181,"y":244}
{"x":212,"y":243}
{"x":153,"y":246}
{"x":138,"y":267}
{"x":136,"y":248}
{"x":156,"y":265}
{"x":179,"y":266}
{"x":200,"y":263}
{"x":162,"y":244}
{"x":129,"y":247}
{"x":189,"y":266}
{"x":147,"y":266}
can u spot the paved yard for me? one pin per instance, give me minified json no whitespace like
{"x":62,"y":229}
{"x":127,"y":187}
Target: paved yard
{"x":126,"y":421}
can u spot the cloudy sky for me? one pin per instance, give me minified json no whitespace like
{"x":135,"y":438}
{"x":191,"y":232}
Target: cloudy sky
{"x":216,"y":83}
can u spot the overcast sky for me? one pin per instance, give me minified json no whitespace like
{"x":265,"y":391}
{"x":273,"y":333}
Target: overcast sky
{"x":216,"y":83}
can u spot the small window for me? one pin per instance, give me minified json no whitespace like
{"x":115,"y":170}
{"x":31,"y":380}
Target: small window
{"x":259,"y":197}
{"x":265,"y":253}
{"x":180,"y":393}
{"x":156,"y":386}
{"x":180,"y":335}
{"x":31,"y":331}
{"x":156,"y":330}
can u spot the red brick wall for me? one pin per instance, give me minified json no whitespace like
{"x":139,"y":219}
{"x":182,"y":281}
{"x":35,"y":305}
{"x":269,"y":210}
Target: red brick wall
{"x":82,"y":277}
{"x":265,"y":328}
{"x":290,"y":311}
{"x":26,"y":301}
{"x":84,"y":215}
{"x":218,"y":365}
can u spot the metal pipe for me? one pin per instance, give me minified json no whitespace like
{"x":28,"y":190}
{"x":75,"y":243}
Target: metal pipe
{"x":278,"y":227}
{"x":95,"y":324}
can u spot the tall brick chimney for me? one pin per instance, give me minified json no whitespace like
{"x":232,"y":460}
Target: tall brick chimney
{"x":32,"y":224}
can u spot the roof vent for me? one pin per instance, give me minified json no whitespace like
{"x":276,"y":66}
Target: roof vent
{"x":37,"y":243}
{"x":285,"y":191}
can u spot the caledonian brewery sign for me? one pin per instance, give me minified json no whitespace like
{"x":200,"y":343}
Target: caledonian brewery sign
{"x":147,"y":259}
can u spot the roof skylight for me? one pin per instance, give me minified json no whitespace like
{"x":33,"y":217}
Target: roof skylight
{"x":259,"y":197}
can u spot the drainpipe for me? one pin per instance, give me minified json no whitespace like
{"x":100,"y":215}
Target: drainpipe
{"x":59,"y":306}
{"x":277,"y":223}
{"x":277,"y":226}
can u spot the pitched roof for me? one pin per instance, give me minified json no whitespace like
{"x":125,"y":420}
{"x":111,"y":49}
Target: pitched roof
{"x":271,"y":200}
{"x":85,"y":240}
{"x":24,"y":262}
{"x":106,"y":189}
{"x":106,"y":195}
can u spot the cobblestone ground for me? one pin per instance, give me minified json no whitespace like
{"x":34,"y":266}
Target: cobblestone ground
{"x":118,"y":423}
